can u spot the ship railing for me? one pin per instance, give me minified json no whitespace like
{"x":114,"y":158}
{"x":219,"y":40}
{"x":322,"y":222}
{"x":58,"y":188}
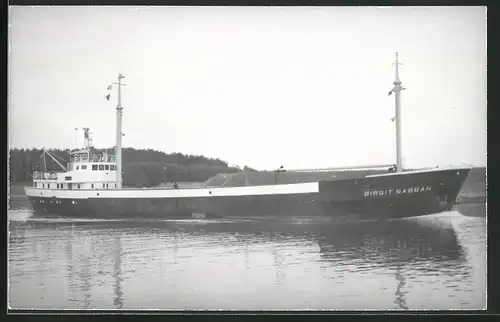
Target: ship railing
{"x":343,"y":169}
{"x":44,"y":175}
{"x":171,"y":186}
{"x":97,"y":158}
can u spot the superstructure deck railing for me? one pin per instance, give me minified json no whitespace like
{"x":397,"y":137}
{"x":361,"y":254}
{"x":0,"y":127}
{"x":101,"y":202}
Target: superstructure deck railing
{"x":93,"y":158}
{"x":44,"y":176}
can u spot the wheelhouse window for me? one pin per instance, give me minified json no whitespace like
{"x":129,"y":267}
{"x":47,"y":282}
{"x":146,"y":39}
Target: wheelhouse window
{"x":78,"y":185}
{"x":48,"y":185}
{"x":94,"y":167}
{"x":43,"y":185}
{"x":92,"y":186}
{"x":112,"y":167}
{"x":106,"y":167}
{"x":104,"y":185}
{"x":77,"y":167}
{"x":84,"y":167}
{"x":101,"y":167}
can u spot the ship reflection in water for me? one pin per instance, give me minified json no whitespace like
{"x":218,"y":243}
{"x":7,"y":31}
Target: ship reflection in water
{"x":425,"y":263}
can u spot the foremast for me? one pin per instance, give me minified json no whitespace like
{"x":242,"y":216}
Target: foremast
{"x":397,"y":97}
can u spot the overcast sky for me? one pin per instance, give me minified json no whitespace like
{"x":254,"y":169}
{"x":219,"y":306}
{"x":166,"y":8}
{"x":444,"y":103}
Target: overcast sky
{"x":302,"y":87}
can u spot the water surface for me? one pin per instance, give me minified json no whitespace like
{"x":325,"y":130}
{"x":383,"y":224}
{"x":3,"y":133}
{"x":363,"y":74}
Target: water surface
{"x":433,"y":262}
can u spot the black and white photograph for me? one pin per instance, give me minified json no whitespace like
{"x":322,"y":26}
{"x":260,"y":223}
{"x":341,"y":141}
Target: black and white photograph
{"x":247,"y":158}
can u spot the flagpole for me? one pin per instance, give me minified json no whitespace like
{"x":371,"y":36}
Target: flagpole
{"x":118,"y":151}
{"x":397,"y":98}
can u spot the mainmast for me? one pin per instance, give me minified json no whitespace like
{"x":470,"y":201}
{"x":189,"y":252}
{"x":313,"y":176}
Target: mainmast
{"x":119,"y":134}
{"x":397,"y":96}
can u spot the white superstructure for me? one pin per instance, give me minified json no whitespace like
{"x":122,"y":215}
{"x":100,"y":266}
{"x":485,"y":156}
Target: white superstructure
{"x":85,"y":170}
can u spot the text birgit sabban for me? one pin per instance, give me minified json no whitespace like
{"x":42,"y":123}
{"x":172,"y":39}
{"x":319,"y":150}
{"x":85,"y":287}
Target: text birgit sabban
{"x":396,"y":192}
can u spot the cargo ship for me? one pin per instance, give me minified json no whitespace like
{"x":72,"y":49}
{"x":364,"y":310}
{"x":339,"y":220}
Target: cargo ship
{"x":90,"y":185}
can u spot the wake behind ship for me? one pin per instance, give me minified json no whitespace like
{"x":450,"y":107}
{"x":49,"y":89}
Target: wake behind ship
{"x":90,"y":185}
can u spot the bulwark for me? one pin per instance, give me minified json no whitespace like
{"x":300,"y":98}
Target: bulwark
{"x":390,"y":192}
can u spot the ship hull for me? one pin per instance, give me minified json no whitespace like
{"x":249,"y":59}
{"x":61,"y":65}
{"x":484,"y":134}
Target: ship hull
{"x":371,"y":198}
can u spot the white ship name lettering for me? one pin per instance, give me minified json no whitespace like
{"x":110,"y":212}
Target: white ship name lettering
{"x":390,"y":192}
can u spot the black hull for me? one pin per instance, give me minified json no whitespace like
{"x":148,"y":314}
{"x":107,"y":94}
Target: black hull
{"x":371,"y":198}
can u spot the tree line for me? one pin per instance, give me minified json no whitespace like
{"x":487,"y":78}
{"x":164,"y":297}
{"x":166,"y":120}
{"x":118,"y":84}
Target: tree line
{"x":141,"y":167}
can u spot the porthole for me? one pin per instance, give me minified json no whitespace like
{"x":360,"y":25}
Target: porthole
{"x":73,"y":202}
